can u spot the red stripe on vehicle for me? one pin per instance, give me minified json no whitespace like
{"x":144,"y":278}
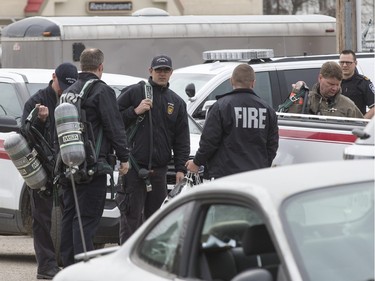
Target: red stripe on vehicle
{"x":3,"y":153}
{"x":316,"y":136}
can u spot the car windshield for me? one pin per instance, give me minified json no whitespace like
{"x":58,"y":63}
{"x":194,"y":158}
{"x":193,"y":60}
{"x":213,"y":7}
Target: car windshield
{"x":179,"y":81}
{"x":332,"y":232}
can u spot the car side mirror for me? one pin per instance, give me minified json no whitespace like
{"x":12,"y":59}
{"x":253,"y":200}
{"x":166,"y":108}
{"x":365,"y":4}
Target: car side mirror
{"x":8,"y":124}
{"x":190,"y":90}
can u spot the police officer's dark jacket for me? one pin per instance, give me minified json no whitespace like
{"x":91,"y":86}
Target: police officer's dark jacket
{"x":170,"y":128}
{"x":47,"y":97}
{"x":360,"y":90}
{"x":102,"y":112}
{"x":240,"y":134}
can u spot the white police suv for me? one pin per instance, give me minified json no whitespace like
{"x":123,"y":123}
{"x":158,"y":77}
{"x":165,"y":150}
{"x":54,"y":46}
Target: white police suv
{"x":198,"y":84}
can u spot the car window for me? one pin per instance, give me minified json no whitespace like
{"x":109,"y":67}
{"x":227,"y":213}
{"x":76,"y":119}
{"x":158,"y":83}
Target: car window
{"x":9,"y":104}
{"x":310,"y":76}
{"x":235,"y":239}
{"x":263,"y":86}
{"x":161,"y":247}
{"x":332,"y":232}
{"x":221,"y":218}
{"x":262,"y":89}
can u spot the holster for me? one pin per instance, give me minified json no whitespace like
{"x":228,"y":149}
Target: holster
{"x":123,"y":196}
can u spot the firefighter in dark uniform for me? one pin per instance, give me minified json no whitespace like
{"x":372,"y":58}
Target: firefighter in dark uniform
{"x":355,"y":86}
{"x":41,"y":206}
{"x":240,"y":133}
{"x":102,"y":113}
{"x":163,"y":127}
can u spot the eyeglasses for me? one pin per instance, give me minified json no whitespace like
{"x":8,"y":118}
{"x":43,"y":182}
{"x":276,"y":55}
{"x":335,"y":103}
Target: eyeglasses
{"x":163,"y":69}
{"x":348,"y":63}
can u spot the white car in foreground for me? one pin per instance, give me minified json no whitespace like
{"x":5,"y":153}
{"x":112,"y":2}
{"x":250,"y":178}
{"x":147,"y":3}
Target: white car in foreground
{"x":311,"y":221}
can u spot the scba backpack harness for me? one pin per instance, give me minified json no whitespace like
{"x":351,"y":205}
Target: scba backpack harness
{"x":32,"y":156}
{"x":79,"y":149}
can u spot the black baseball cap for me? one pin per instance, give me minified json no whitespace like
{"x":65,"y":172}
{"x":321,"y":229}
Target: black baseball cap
{"x":67,"y":75}
{"x":161,"y":61}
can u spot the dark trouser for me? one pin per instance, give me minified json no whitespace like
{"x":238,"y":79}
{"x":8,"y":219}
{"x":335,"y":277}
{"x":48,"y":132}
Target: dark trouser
{"x":91,"y":199}
{"x":41,"y":209}
{"x":142,"y":204}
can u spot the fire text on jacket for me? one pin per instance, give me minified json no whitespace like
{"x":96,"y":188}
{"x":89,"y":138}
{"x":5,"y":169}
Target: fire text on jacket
{"x":250,"y":117}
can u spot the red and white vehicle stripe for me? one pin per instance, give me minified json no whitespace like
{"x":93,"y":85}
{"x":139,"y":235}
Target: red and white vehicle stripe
{"x":316,"y":135}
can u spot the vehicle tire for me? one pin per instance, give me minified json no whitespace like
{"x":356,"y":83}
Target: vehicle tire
{"x":27,"y":218}
{"x":56,"y":225}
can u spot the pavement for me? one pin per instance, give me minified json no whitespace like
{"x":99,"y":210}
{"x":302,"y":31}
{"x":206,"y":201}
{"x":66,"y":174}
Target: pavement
{"x":17,"y":258}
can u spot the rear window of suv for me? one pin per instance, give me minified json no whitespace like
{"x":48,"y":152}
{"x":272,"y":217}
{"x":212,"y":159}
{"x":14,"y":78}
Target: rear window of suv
{"x":9,"y":102}
{"x":310,"y":76}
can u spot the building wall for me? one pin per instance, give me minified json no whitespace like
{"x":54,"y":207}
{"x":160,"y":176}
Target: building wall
{"x":173,"y":7}
{"x":15,"y":8}
{"x":11,"y":11}
{"x":222,"y":7}
{"x":81,"y":7}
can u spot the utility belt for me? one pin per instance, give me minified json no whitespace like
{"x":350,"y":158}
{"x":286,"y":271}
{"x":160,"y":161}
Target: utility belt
{"x":85,"y":173}
{"x":82,"y":176}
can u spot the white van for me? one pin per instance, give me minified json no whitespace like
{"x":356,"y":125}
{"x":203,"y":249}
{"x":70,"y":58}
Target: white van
{"x":200,"y":83}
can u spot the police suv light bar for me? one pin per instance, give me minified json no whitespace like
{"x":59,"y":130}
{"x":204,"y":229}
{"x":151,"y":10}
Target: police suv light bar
{"x":236,"y":55}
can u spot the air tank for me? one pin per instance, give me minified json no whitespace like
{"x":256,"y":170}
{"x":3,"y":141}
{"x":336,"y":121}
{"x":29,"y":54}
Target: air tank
{"x":25,"y":161}
{"x":69,"y":134}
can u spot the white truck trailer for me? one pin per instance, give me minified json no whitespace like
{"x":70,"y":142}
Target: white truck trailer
{"x":130,"y":42}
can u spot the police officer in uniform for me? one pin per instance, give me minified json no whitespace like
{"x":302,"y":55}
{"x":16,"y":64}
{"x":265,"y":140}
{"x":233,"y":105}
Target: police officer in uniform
{"x":41,"y":207}
{"x":163,"y":127}
{"x":355,"y":86}
{"x":240,"y":133}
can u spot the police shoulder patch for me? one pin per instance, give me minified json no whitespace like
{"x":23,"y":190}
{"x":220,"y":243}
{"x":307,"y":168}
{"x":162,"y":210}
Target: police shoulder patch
{"x":372,"y":88}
